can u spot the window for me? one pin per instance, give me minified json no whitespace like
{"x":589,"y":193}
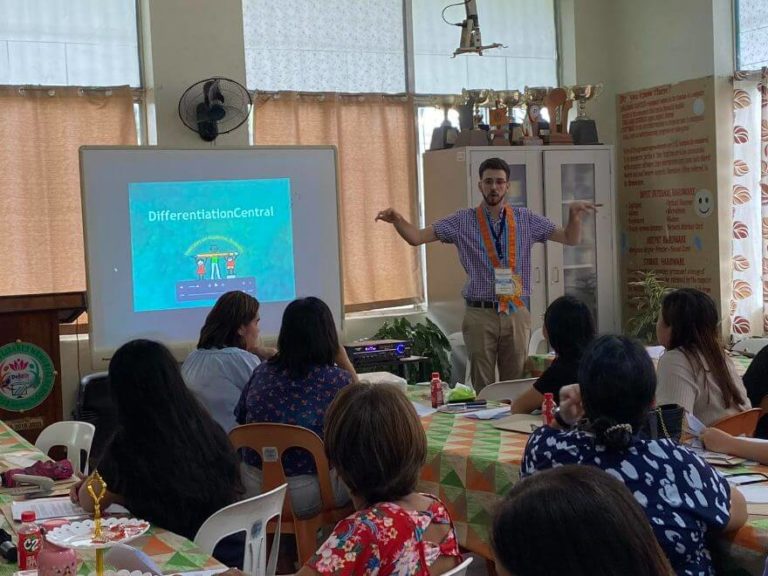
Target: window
{"x":526,"y":29}
{"x":327,"y":46}
{"x":69,"y":43}
{"x":80,"y":47}
{"x":751,"y":34}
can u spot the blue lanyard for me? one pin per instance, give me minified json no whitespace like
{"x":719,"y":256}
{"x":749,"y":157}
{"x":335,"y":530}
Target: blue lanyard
{"x":498,"y":237}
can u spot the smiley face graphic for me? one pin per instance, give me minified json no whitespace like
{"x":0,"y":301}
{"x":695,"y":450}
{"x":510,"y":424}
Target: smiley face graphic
{"x":703,"y":203}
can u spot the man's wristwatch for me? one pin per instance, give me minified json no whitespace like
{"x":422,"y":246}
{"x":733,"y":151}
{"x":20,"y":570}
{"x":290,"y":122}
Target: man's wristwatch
{"x":559,"y":419}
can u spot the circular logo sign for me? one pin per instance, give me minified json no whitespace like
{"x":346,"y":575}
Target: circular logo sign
{"x":26,"y":376}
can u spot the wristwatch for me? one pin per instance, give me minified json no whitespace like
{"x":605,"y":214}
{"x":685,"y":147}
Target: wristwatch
{"x":559,"y":419}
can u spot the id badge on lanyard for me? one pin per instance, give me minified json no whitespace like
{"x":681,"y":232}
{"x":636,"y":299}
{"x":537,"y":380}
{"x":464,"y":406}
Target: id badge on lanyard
{"x":507,"y":283}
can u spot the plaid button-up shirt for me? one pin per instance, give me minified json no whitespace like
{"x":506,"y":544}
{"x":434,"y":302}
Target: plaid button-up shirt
{"x":461,"y":228}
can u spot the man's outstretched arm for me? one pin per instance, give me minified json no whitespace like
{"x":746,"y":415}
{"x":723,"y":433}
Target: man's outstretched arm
{"x":412,"y":234}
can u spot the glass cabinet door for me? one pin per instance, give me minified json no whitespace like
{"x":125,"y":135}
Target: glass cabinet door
{"x":586,"y":270}
{"x":580,"y":261}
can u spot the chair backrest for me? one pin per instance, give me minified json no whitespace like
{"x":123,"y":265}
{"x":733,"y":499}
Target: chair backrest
{"x":460,"y":570}
{"x":250,"y":516}
{"x":76,"y":436}
{"x":537,"y":339}
{"x":506,"y":389}
{"x":94,"y":405}
{"x":271,"y":441}
{"x":741,"y":424}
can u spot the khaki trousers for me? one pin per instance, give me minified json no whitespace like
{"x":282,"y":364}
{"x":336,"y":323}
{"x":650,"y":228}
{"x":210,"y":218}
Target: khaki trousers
{"x":492,"y":338}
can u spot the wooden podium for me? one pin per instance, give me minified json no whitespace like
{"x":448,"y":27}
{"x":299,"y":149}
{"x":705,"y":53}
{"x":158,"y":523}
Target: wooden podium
{"x":33,"y":321}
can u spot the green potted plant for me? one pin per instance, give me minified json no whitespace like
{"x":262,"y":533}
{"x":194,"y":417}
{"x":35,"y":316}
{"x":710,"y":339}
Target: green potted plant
{"x":643,"y":324}
{"x":426,"y":340}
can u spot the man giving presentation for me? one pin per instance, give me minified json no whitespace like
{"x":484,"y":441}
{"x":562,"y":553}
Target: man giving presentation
{"x":494,"y":245}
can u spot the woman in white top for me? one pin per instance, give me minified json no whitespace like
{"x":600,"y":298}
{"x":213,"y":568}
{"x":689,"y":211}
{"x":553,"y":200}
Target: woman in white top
{"x":694,"y":372}
{"x":226,"y":355}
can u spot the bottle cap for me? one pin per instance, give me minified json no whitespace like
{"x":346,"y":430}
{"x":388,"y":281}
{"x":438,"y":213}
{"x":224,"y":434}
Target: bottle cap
{"x":28,"y":516}
{"x":548,"y":396}
{"x":436,"y":375}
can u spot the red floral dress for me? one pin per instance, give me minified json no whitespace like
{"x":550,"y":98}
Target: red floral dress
{"x":386,"y":539}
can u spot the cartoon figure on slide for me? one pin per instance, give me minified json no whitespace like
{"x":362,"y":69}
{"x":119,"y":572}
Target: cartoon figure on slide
{"x":215,"y":273}
{"x":214,"y":256}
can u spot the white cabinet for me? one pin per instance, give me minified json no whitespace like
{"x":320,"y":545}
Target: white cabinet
{"x":545,"y":180}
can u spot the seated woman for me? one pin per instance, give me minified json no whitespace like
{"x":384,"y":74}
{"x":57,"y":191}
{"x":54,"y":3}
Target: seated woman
{"x":681,"y":495}
{"x":694,"y":372}
{"x":599,"y":528}
{"x":569,"y":328}
{"x":295,"y":387}
{"x":375,"y":440}
{"x":168,"y":462}
{"x":226,"y":355}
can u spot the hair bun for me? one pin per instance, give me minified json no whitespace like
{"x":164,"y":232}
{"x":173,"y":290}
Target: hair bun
{"x":612,"y":434}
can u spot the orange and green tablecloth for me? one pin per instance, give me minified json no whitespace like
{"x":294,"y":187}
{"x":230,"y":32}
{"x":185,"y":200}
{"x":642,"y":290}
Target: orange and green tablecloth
{"x":471,"y":465}
{"x":171,"y":552}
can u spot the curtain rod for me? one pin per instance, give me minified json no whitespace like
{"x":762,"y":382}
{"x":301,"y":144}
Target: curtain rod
{"x":137,"y":93}
{"x":420,"y":99}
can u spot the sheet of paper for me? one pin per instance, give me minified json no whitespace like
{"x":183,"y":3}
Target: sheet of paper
{"x":489,"y":414}
{"x":422,"y":410}
{"x":20,"y":460}
{"x":755,"y":493}
{"x":45,"y":508}
{"x":695,"y":425}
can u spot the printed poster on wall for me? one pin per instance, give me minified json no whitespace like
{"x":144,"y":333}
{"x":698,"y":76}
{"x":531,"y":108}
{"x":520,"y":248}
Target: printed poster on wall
{"x":668,"y":188}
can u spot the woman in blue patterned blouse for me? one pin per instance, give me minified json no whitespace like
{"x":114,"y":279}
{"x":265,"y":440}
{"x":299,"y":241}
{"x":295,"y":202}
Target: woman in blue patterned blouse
{"x":682,"y":496}
{"x":296,"y":386}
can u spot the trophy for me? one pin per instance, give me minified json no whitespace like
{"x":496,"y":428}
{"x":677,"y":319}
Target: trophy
{"x":502,"y":119}
{"x":445,"y":135}
{"x":470,"y":118}
{"x":583,"y":129}
{"x":534,"y":99}
{"x":558,"y":104}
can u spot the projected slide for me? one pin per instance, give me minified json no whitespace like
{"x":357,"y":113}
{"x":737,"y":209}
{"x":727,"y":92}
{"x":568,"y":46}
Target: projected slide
{"x":193,"y":241}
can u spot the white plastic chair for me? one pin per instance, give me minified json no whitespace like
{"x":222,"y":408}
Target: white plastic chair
{"x":537,"y":339}
{"x":76,"y":436}
{"x":506,"y":389}
{"x":250,"y":516}
{"x":460,"y":570}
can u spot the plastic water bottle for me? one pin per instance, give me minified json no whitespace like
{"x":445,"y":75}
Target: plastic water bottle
{"x":436,"y":390}
{"x":548,"y":409}
{"x":30,"y":541}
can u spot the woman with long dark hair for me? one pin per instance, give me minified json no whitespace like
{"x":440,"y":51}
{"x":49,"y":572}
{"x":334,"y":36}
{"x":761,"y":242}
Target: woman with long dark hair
{"x":682,"y":496}
{"x":597,"y":525}
{"x":569,"y":328}
{"x":295,"y":387}
{"x":694,"y":372}
{"x":169,"y":462}
{"x":227,"y":353}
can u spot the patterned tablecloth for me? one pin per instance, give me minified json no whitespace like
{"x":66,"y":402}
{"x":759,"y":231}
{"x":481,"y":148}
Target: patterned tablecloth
{"x":471,"y":464}
{"x":173,"y":553}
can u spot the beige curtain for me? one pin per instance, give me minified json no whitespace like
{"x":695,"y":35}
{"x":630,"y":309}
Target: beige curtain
{"x":41,"y":131}
{"x":375,"y":136}
{"x":749,"y":204}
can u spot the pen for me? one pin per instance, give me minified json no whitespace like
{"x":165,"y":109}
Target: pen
{"x":460,"y":405}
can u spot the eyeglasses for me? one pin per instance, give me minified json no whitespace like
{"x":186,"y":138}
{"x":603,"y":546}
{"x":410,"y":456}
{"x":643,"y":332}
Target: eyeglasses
{"x":497,"y":181}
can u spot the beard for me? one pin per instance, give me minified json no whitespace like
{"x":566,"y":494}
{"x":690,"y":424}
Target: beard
{"x":493,"y":199}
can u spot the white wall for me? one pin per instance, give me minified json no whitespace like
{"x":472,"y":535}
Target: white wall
{"x":630,"y":44}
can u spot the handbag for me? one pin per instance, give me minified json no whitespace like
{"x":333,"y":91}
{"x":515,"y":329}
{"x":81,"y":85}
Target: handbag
{"x":665,"y":421}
